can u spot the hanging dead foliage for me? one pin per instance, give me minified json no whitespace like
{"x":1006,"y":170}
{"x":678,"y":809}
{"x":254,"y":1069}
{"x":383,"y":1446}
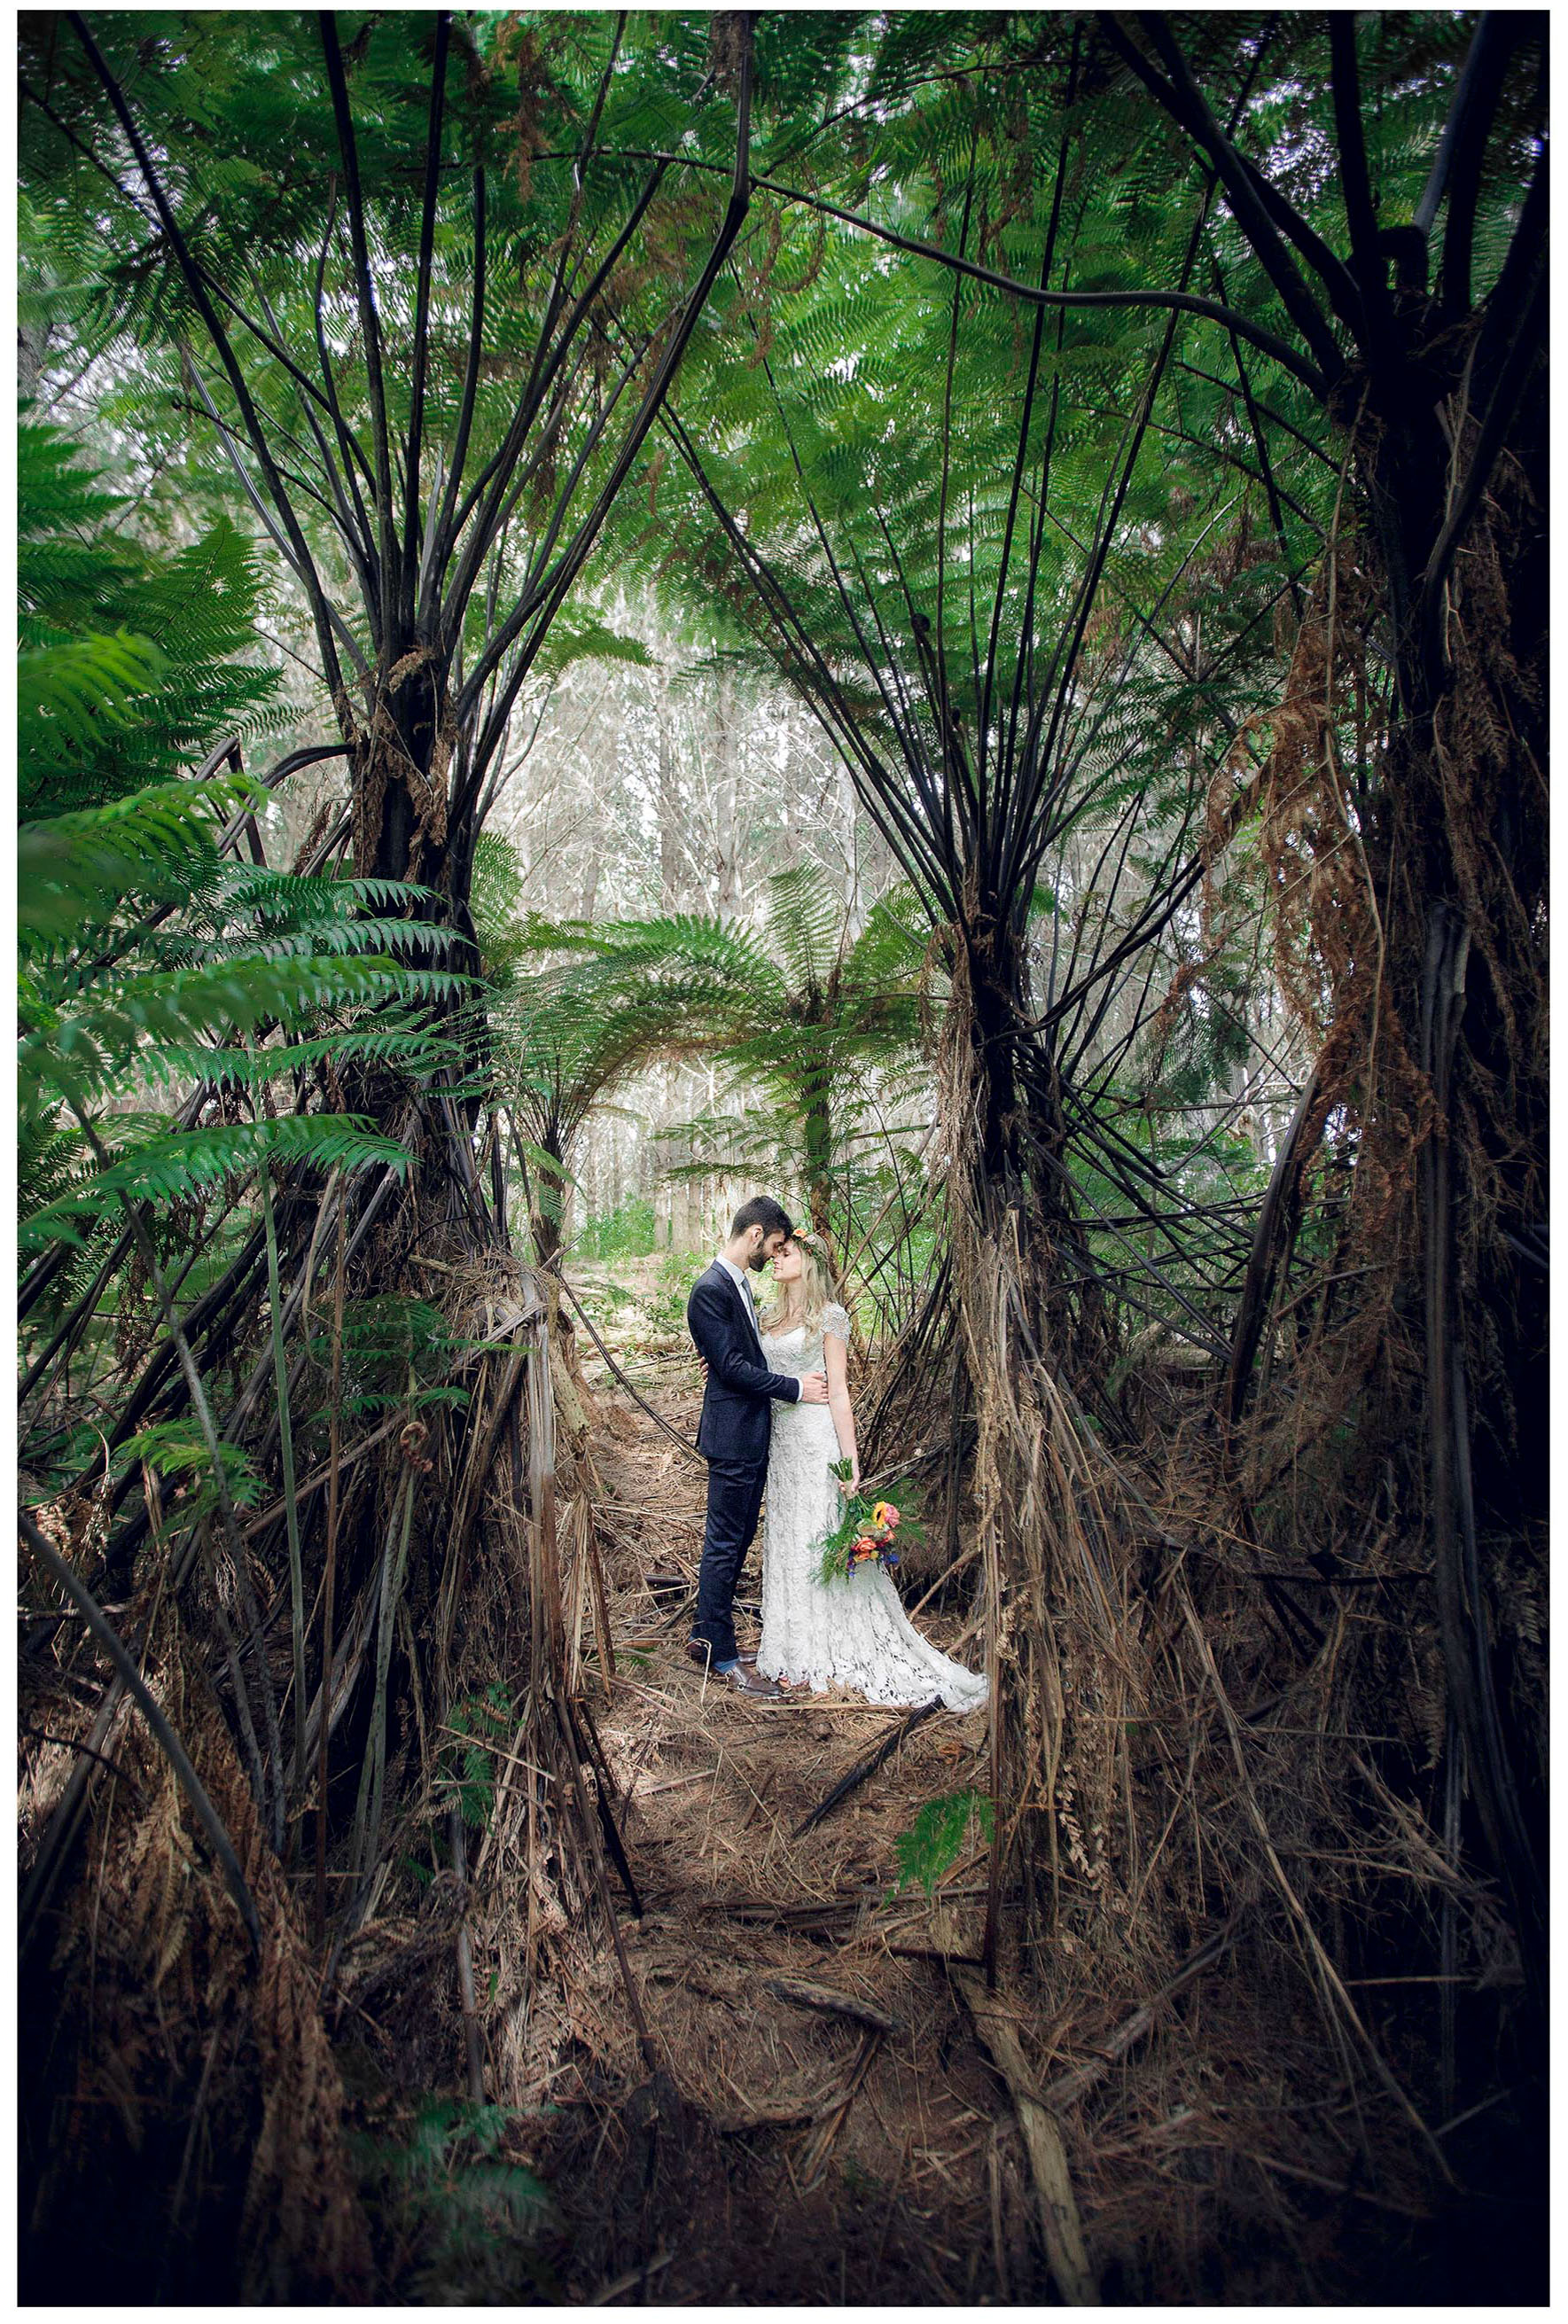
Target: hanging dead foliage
{"x":186,"y":2092}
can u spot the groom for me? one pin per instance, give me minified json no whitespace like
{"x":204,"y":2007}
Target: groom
{"x":736,"y":1425}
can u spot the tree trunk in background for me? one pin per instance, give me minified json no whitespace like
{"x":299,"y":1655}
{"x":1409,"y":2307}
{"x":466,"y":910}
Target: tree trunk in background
{"x":549,"y":1192}
{"x":854,"y":877}
{"x":819,"y":1205}
{"x":661,"y":1155}
{"x":787,"y":790}
{"x":726,"y":844}
{"x":668,"y":803}
{"x":816,"y":1129}
{"x":32,"y":347}
{"x":591,"y":871}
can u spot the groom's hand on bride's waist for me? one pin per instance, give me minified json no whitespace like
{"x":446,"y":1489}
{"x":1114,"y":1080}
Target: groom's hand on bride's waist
{"x":813,"y":1384}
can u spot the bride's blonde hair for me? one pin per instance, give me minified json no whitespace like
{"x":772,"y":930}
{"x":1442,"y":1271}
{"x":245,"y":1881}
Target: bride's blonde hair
{"x":804,"y":1300}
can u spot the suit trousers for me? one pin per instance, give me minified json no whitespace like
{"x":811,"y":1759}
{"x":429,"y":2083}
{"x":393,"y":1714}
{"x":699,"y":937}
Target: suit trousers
{"x":734,"y":1504}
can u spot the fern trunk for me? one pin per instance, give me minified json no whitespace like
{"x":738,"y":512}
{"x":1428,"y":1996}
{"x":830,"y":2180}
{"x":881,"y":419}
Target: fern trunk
{"x":1030,"y":1323}
{"x":1457,"y":850}
{"x":818,"y":1145}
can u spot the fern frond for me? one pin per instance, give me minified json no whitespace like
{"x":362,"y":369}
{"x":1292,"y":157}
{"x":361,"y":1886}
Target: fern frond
{"x":174,"y":1167}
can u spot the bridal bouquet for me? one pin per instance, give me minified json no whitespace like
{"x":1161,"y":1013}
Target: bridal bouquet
{"x":863,"y":1533}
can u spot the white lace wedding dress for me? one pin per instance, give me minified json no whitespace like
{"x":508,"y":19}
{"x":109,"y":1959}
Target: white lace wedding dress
{"x":852,"y":1633}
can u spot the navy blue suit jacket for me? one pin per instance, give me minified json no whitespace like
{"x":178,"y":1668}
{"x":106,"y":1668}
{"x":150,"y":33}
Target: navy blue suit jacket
{"x":736,"y":1424}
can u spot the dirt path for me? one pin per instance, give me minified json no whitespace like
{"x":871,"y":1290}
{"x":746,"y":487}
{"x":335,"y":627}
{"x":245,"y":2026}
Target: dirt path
{"x":780,"y":2086}
{"x":849,"y":2145}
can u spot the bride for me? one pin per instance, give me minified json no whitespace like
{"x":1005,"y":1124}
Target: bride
{"x":852,"y":1633}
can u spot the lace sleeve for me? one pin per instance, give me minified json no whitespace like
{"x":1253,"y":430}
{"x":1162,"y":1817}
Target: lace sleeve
{"x":835,"y":1319}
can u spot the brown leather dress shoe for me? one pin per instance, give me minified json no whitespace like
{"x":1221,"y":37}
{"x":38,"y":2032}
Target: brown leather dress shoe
{"x":741,"y":1680}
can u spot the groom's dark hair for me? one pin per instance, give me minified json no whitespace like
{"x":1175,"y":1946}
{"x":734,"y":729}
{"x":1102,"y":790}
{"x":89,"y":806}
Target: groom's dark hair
{"x":762,"y":1211}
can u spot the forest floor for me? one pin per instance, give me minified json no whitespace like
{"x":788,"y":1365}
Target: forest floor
{"x":810,"y":2155}
{"x":776,"y":2082}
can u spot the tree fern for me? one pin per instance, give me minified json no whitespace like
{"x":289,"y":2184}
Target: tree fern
{"x":803,"y":1013}
{"x":128,"y":665}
